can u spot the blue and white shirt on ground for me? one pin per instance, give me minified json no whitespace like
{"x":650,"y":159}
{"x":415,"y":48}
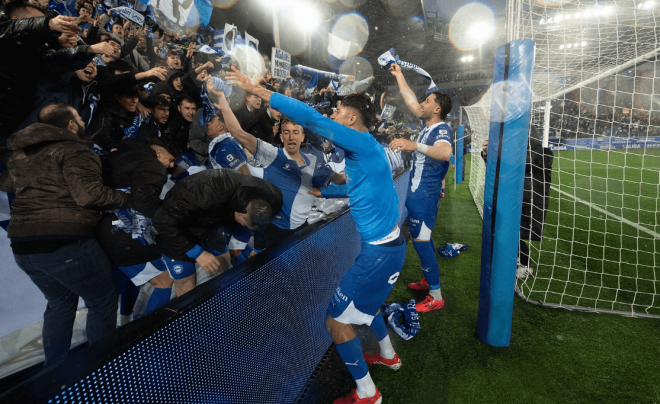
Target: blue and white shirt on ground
{"x":427,"y":173}
{"x":226,"y":152}
{"x":294,"y":181}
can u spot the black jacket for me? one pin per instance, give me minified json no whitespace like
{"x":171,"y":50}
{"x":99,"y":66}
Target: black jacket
{"x":108,"y":124}
{"x":26,"y":60}
{"x":207,"y":200}
{"x":178,"y":130}
{"x":536,"y":194}
{"x":135,"y":166}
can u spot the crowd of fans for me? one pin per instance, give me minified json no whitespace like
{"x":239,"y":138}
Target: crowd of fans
{"x":128,"y":112}
{"x":572,"y":120}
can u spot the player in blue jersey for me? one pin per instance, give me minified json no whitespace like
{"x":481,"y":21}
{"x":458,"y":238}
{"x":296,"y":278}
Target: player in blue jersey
{"x":432,"y":152}
{"x":291,"y":171}
{"x":373,"y":202}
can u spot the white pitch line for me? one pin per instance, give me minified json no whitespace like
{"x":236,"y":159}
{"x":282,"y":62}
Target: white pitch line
{"x":626,"y":221}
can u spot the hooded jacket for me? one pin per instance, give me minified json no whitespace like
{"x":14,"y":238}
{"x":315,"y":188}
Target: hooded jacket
{"x":58,"y":184}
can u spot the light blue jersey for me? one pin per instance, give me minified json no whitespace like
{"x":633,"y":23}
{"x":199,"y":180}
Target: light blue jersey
{"x":294,"y":181}
{"x":371,"y":191}
{"x":427,"y":173}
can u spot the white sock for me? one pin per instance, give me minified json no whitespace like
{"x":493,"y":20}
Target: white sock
{"x":436,"y":294}
{"x":366,"y":387}
{"x":386,"y":349}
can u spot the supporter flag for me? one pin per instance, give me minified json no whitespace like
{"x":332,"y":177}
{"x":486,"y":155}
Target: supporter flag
{"x":337,"y":51}
{"x":251,"y":41}
{"x":311,"y":85}
{"x":229,"y":38}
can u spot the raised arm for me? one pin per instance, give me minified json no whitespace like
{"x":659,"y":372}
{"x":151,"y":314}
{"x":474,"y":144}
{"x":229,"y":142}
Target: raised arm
{"x":407,"y":94}
{"x":245,"y":139}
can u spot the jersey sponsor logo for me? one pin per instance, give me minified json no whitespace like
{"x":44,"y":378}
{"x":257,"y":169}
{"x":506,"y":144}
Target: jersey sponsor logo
{"x":178,"y":268}
{"x":393,"y":278}
{"x":414,"y":220}
{"x":442,"y":132}
{"x":341,"y":295}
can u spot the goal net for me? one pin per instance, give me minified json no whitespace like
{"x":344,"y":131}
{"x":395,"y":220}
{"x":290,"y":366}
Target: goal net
{"x":596,"y":101}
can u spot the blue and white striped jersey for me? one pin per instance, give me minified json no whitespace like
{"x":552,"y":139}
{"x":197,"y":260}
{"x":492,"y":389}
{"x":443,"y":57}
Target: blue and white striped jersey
{"x":427,"y":173}
{"x":294,"y":181}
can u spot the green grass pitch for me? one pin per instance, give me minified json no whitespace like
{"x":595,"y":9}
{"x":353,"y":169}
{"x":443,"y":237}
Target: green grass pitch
{"x":555,"y":356}
{"x":589,"y":256}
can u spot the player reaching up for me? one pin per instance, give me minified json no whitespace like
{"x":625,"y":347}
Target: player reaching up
{"x":373,"y":202}
{"x":430,"y":164}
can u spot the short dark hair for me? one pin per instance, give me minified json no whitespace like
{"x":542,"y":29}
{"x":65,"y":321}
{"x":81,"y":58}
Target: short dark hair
{"x":121,"y":65}
{"x":57,"y":115}
{"x":118,"y":23}
{"x":260,"y":212}
{"x":167,"y":144}
{"x":363,"y":105}
{"x":157,"y":101}
{"x":129,"y":92}
{"x":14,"y":7}
{"x":172,"y":52}
{"x":185,"y":98}
{"x":284,"y":120}
{"x":445,"y":103}
{"x":220,"y":116}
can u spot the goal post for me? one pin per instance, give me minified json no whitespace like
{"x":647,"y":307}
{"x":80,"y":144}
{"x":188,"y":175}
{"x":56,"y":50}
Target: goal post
{"x":596,"y":103}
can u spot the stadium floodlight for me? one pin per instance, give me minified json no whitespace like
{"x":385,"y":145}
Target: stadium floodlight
{"x":583,"y":44}
{"x":569,"y":46}
{"x":561,"y":46}
{"x":307,"y":16}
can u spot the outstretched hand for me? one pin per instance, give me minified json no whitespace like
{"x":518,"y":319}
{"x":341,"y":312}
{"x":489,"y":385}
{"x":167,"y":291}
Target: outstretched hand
{"x":65,"y":25}
{"x":235,"y":77}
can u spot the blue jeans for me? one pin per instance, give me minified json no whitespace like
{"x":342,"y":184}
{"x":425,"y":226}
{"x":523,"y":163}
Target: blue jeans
{"x":79,"y":269}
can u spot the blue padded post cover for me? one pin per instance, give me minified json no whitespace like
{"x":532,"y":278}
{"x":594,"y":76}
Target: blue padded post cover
{"x":459,"y":153}
{"x":505,"y":171}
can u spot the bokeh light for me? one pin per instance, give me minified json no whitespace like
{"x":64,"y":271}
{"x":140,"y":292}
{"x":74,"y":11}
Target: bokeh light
{"x":223,"y":3}
{"x":471,"y":26}
{"x":354,"y":28}
{"x":357,"y":66}
{"x":517,"y":94}
{"x":249,"y":60}
{"x":292,"y":40}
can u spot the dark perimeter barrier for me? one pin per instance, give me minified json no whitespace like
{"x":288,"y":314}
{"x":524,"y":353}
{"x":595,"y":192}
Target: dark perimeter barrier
{"x":253,"y":335}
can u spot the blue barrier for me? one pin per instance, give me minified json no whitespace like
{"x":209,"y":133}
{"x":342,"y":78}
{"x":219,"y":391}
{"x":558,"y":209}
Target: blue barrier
{"x":255,"y":334}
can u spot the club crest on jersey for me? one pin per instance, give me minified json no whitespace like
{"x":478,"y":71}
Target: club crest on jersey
{"x":286,"y":167}
{"x":178,"y":268}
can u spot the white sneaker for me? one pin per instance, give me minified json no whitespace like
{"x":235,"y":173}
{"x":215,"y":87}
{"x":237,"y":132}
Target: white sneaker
{"x":523,"y":272}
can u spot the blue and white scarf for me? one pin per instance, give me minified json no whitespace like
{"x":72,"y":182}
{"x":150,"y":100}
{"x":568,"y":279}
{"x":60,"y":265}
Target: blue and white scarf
{"x":129,"y":14}
{"x":389,"y":57}
{"x":394,"y":312}
{"x":132,"y":222}
{"x":132,"y":130}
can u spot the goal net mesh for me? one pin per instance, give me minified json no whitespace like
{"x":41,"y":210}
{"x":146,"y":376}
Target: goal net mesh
{"x":596,"y":98}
